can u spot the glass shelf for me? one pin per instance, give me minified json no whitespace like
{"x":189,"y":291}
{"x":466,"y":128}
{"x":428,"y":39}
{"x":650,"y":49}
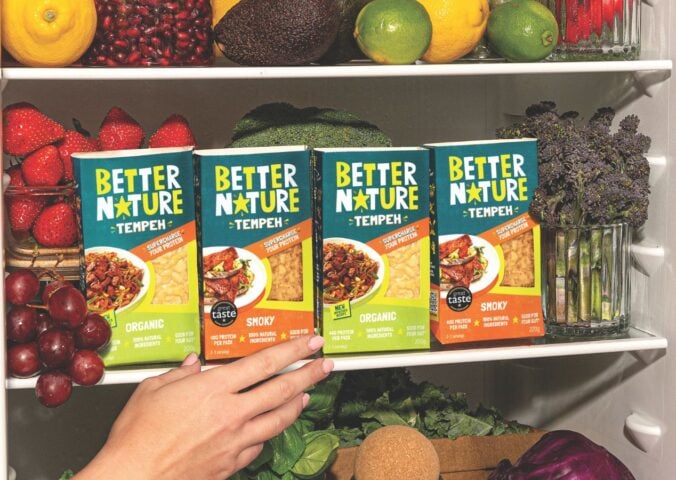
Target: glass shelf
{"x":637,"y":340}
{"x":354,"y":69}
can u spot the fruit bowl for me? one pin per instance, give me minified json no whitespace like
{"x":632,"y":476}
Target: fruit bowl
{"x":41,"y":228}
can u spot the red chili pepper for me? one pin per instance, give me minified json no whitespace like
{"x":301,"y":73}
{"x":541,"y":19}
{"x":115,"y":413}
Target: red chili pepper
{"x":596,"y":17}
{"x":619,"y":9}
{"x":584,"y":19}
{"x":609,"y":13}
{"x":572,"y":26}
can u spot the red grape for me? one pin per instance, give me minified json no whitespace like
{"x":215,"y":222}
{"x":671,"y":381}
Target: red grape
{"x":67,"y":306}
{"x":94,"y":333}
{"x":23,"y":360}
{"x":44,"y":321}
{"x":86,"y":367}
{"x":56,"y":346}
{"x":52,"y":287}
{"x":53,"y":388}
{"x":22,"y":324}
{"x":21,"y":286}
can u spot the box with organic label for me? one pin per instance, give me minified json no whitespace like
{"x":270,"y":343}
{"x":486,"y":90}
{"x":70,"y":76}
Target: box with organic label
{"x":256,"y":253}
{"x":372,"y":248}
{"x":485,"y":245}
{"x":139,"y":265}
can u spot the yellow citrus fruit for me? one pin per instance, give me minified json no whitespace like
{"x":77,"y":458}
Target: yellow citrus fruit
{"x":218,"y":9}
{"x":48,"y":33}
{"x":457,"y":27}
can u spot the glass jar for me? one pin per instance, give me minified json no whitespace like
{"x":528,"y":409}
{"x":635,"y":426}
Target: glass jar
{"x":23,"y":206}
{"x":586,"y":281}
{"x":597,"y":29}
{"x":152,"y":33}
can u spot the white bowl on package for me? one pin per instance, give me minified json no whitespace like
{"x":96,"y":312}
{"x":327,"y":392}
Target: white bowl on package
{"x":373,"y":255}
{"x":491,"y":256}
{"x":255,"y":266}
{"x":136,"y":262}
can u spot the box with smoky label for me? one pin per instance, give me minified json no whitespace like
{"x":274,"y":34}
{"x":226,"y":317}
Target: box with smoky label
{"x":485,"y":245}
{"x":256,"y":248}
{"x":139,"y":266}
{"x":372,"y":248}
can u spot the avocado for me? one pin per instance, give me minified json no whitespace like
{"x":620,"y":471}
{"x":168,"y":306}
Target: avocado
{"x":345,"y":48}
{"x":278,"y":32}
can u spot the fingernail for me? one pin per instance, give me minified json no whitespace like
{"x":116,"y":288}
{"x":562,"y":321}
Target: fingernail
{"x":306,"y":399}
{"x":191,"y":359}
{"x":316,"y":342}
{"x":327,"y":365}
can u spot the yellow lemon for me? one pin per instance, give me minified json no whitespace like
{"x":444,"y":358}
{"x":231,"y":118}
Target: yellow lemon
{"x":48,"y":33}
{"x":457,"y":27}
{"x":218,"y":9}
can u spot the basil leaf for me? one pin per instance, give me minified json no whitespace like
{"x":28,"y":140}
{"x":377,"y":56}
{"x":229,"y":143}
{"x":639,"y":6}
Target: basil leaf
{"x":287,"y":447}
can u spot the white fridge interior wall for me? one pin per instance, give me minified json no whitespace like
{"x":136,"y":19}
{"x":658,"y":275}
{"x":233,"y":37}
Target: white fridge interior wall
{"x":593,"y":394}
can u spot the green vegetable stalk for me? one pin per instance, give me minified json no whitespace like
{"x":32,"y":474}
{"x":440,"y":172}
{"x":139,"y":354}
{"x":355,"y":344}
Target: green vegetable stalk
{"x":584,"y":269}
{"x":560,"y":277}
{"x":608,"y":280}
{"x":572,"y":277}
{"x":596,"y":259}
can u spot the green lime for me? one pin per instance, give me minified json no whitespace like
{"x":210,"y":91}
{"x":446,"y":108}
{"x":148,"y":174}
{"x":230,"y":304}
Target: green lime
{"x":522,"y":30}
{"x":393,"y":31}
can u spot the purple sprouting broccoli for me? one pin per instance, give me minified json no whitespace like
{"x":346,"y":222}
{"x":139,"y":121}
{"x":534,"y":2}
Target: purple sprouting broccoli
{"x":588,"y":175}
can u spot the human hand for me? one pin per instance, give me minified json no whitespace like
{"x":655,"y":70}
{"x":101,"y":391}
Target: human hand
{"x":206,"y":425}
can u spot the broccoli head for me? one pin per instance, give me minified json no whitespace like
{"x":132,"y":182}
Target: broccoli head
{"x":278,"y":124}
{"x":587,"y":173}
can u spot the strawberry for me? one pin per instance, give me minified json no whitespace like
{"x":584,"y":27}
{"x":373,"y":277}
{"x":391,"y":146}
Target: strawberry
{"x":22,"y":210}
{"x":174,"y":132}
{"x":56,"y":226}
{"x":43,"y":167}
{"x":15,"y":176}
{"x":25,"y":129}
{"x":74,"y":142}
{"x":119,"y":131}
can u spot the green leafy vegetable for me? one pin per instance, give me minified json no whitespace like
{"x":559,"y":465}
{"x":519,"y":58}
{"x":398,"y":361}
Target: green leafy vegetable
{"x":320,"y":452}
{"x":287,"y":448}
{"x":67,"y":474}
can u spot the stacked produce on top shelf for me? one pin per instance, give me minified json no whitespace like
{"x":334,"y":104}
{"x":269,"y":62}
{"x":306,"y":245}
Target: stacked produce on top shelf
{"x":147,"y":33}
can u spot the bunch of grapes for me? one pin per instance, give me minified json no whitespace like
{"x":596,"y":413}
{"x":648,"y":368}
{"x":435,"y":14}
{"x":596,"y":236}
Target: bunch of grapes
{"x":51,"y":333}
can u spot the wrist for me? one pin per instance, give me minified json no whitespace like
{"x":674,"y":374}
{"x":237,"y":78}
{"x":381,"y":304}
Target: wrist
{"x":111,"y":463}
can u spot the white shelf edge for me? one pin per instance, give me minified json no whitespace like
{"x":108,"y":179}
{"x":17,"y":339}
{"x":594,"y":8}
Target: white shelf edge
{"x":357,"y":69}
{"x":636,"y":341}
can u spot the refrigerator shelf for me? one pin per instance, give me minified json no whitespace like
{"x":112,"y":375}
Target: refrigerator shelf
{"x":355,"y":69}
{"x":637,"y":340}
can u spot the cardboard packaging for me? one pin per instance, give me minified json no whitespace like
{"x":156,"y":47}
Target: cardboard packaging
{"x":256,"y":253}
{"x":139,"y":263}
{"x":372,"y":248}
{"x":486,"y":280}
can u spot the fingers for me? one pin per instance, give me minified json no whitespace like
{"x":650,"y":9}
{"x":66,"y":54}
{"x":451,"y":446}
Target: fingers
{"x":283,"y":388}
{"x":264,"y":364}
{"x":272,"y":423}
{"x":247,"y":456}
{"x":190,"y":366}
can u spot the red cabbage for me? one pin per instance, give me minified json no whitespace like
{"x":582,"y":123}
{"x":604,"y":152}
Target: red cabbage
{"x":563,"y":455}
